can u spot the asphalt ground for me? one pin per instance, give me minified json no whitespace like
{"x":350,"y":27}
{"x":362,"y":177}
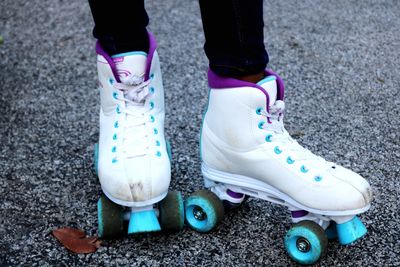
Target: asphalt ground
{"x":340,"y":60}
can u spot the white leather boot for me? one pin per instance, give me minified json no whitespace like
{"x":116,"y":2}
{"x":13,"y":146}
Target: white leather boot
{"x":246,"y":150}
{"x":133,"y":163}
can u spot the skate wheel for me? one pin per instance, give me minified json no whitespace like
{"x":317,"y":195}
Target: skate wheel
{"x":306,"y":242}
{"x":110,"y":218}
{"x":203,"y":211}
{"x":172,"y":217}
{"x":331,"y":231}
{"x":96,"y":158}
{"x":169,"y":150}
{"x":228,"y":205}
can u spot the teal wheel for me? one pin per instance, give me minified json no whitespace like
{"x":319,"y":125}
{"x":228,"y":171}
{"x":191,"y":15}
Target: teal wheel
{"x":169,"y":150}
{"x":331,"y":231}
{"x":110,"y":218}
{"x":96,"y":158}
{"x":172,"y":212}
{"x":203,"y":211}
{"x":306,"y":242}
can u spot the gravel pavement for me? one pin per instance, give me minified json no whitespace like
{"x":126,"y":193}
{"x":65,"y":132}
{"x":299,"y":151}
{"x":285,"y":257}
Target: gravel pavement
{"x":340,"y":60}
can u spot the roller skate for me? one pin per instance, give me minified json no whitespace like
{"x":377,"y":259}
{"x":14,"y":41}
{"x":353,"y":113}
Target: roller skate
{"x":132,"y":158}
{"x":246,"y":151}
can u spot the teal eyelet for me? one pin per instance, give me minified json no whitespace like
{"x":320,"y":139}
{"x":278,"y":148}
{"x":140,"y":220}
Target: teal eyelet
{"x":303,"y":169}
{"x":111,"y":81}
{"x":318,"y":178}
{"x":114,"y":160}
{"x":152,"y":90}
{"x":151,"y":104}
{"x":116,"y":124}
{"x":115,"y":137}
{"x":114,"y":149}
{"x":158,"y":143}
{"x":155,"y":131}
{"x":261,"y":124}
{"x":158,"y":154}
{"x":268,"y":138}
{"x":258,"y":111}
{"x":118,"y":110}
{"x":289,"y":160}
{"x":152,"y":119}
{"x":277,"y":150}
{"x":152,"y":76}
{"x":115,"y":94}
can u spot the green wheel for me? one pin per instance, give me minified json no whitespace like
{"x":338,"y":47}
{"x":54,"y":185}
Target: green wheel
{"x":203,"y":211}
{"x":110,"y":218}
{"x":306,"y":242}
{"x":171,"y":209}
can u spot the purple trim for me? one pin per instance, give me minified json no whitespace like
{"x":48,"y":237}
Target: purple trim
{"x":279,"y":82}
{"x":219,"y":82}
{"x":299,"y":213}
{"x":100,"y":51}
{"x":234,"y":194}
{"x":152,"y":48}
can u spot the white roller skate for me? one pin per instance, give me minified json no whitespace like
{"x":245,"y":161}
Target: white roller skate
{"x":246,"y":150}
{"x":132,"y":158}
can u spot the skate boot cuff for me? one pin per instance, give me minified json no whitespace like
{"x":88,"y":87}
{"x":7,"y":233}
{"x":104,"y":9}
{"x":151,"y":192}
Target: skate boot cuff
{"x":152,"y":49}
{"x":220,"y":82}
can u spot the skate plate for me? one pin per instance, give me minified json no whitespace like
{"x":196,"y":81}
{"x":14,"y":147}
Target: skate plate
{"x":215,"y":180}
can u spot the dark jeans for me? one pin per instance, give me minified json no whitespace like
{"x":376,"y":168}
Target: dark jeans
{"x":233,"y":31}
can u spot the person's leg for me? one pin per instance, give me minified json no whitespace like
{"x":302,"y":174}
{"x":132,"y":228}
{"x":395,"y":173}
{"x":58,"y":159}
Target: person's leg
{"x":120,"y":26}
{"x":234,"y":37}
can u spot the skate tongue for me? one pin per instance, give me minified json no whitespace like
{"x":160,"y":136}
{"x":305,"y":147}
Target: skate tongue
{"x":269,"y":84}
{"x":131,"y":64}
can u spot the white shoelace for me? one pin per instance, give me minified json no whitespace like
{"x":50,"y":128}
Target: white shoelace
{"x":135,"y":91}
{"x":286,"y":143}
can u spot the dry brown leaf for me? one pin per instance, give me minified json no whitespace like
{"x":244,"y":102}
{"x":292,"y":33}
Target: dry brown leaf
{"x":72,"y":232}
{"x":75,"y":240}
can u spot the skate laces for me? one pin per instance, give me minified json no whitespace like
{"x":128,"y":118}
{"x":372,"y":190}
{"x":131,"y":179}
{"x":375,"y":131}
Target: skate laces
{"x":279,"y":135}
{"x":135,"y":91}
